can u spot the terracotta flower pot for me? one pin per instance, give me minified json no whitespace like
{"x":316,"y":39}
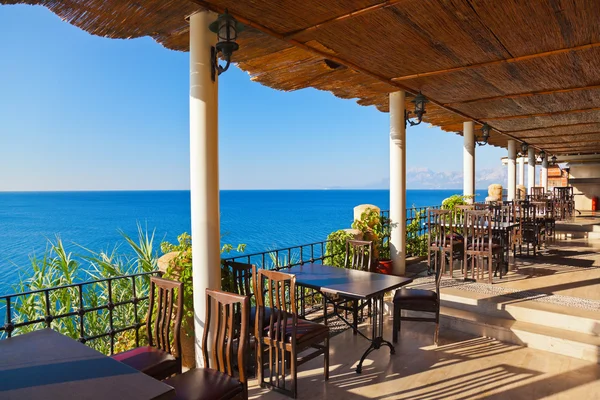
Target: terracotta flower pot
{"x":385,"y":267}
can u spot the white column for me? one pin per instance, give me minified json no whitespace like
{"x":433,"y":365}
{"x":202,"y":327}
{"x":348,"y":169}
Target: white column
{"x":530,"y":169}
{"x":468,"y":160}
{"x":398,"y":182}
{"x":545,"y":173}
{"x":204,"y":170}
{"x":521,"y":171}
{"x":512,"y":172}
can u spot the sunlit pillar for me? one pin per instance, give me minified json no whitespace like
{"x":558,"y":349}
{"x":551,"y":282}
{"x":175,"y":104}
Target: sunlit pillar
{"x":530,"y":169}
{"x":398,"y":182}
{"x":545,"y":173}
{"x":204,"y":170}
{"x":512,"y":173}
{"x":521,"y":171}
{"x":468,"y":160}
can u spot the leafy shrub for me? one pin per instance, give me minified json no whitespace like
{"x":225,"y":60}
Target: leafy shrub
{"x":180,"y":269}
{"x":335,"y":251}
{"x":57,"y":267}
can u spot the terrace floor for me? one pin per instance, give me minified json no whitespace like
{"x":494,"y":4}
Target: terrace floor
{"x":564,"y":278}
{"x":461,"y":367}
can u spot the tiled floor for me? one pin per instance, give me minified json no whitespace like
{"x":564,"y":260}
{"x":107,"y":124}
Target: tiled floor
{"x":462,"y":367}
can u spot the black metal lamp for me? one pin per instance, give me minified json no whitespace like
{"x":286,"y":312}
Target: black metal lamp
{"x":419,"y":101}
{"x":542,"y":155}
{"x":524,"y":148}
{"x":227,"y":28}
{"x":485,"y":132}
{"x":553,"y":160}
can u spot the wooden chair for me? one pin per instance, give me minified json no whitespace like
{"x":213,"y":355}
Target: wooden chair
{"x":227,"y":323}
{"x":286,"y":336}
{"x":157,"y":359}
{"x":359,"y":256}
{"x":442,"y":241}
{"x":479,"y":248}
{"x":417,"y":300}
{"x":243,"y":282}
{"x":530,"y":227}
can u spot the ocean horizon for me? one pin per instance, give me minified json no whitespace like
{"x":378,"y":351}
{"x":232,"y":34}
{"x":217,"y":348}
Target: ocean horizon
{"x":261,"y":219}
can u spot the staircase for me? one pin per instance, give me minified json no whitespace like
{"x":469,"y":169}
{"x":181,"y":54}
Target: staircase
{"x":566,"y":330}
{"x":569,"y":331}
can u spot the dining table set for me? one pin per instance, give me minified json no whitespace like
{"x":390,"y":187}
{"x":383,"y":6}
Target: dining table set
{"x":484,"y":239}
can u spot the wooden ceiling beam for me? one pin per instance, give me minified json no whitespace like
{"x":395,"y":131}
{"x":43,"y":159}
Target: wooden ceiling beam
{"x":219,"y":9}
{"x":552,"y":127}
{"x":558,"y":136}
{"x":498,"y":62}
{"x":569,"y":144}
{"x":548,"y":114}
{"x":342,"y":17}
{"x":524,"y":95}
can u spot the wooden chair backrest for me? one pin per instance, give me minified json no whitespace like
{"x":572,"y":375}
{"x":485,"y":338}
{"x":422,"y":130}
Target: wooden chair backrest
{"x":279,"y":291}
{"x":359,"y":255}
{"x":502,"y":214}
{"x":439,"y":226}
{"x":242,"y":277}
{"x":478,"y":231}
{"x":227,"y":319}
{"x":538,"y":192}
{"x":563,"y":193}
{"x":459,"y":214}
{"x":162,"y":307}
{"x":481,"y":206}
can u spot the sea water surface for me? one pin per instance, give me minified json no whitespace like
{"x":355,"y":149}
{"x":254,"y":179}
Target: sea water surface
{"x":261,"y":219}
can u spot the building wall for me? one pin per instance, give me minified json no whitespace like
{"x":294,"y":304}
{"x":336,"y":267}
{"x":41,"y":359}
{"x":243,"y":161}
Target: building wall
{"x":584,"y":191}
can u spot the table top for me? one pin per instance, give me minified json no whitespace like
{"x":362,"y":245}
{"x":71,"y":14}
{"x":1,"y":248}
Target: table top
{"x":346,"y":282}
{"x":47,"y":365}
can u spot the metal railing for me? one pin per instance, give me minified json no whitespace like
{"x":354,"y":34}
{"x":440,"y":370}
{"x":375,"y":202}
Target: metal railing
{"x":308,"y":300}
{"x":81,"y":308}
{"x":287,"y":257}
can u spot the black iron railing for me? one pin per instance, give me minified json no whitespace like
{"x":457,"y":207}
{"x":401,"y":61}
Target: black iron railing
{"x":94,"y":311}
{"x":288,"y":256}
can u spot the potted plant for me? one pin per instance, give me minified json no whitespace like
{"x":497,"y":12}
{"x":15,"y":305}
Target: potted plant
{"x":376,"y":229}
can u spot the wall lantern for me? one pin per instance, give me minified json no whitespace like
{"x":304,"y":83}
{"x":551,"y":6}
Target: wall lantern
{"x":419,"y":102}
{"x":227,"y":28}
{"x":553,"y":160}
{"x":485,"y":132}
{"x":542,"y":155}
{"x":524,"y":148}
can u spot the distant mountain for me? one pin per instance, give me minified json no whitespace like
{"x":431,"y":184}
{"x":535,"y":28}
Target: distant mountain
{"x":425,"y":178}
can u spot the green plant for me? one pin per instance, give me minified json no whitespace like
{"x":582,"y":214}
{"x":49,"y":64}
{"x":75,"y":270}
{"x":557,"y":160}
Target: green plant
{"x":180,"y":269}
{"x":58,"y":267}
{"x":335,"y":251}
{"x":416,"y":245}
{"x":376,"y":228}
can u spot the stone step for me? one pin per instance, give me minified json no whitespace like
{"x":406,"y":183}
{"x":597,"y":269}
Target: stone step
{"x":563,"y":317}
{"x":559,"y":341}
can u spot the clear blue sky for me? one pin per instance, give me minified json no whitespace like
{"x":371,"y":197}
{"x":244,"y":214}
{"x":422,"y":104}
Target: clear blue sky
{"x":79,"y":112}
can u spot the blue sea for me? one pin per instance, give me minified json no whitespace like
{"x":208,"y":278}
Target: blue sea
{"x":261,"y":219}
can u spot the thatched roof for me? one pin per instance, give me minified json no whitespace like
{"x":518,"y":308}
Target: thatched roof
{"x":528,"y":68}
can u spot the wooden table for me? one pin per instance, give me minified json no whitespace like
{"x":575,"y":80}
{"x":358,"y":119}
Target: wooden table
{"x":47,"y":365}
{"x":352,"y":284}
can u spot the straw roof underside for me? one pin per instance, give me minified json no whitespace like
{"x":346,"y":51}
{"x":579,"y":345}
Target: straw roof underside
{"x":528,"y":68}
